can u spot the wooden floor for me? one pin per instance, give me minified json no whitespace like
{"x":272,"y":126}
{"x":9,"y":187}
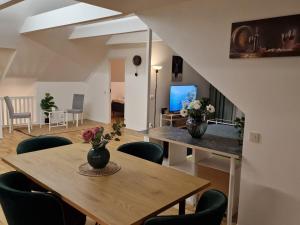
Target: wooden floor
{"x":10,"y":141}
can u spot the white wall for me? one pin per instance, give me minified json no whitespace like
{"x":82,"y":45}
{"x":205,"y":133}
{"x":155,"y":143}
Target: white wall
{"x":136,"y":87}
{"x":162,"y":55}
{"x":17,"y":87}
{"x":98,"y":85}
{"x":117,"y":90}
{"x":266,"y":89}
{"x":117,"y":70}
{"x":61,"y":91}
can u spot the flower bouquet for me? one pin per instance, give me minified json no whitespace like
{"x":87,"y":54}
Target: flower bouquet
{"x":197,"y":112}
{"x":99,"y":156}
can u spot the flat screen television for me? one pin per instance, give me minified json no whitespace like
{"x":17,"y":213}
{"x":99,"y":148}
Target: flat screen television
{"x":180,"y":94}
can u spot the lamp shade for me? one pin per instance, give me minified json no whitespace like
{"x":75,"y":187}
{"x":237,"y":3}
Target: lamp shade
{"x":158,"y":68}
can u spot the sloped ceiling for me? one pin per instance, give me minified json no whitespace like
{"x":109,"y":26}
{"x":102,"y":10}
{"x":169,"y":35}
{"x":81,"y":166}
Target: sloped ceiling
{"x":5,"y":57}
{"x":47,"y":55}
{"x":131,"y":6}
{"x":12,"y":18}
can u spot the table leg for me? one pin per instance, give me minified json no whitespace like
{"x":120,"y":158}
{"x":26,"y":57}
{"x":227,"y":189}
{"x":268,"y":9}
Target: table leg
{"x":67,"y":120}
{"x":231,"y":191}
{"x":49,"y":122}
{"x":41,"y":113}
{"x":177,"y":154}
{"x":77,"y":118}
{"x":182,"y":207}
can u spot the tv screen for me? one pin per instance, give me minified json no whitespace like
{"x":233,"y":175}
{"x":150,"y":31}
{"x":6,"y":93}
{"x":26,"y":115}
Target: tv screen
{"x":180,"y":94}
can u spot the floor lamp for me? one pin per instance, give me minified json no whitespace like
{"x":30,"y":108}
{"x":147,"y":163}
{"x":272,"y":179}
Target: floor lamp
{"x":157,"y":69}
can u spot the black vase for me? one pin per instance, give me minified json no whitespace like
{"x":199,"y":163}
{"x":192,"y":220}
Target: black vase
{"x":196,"y":127}
{"x":98,"y":157}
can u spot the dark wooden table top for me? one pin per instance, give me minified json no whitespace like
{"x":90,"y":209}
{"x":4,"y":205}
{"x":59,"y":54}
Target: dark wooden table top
{"x":218,"y":139}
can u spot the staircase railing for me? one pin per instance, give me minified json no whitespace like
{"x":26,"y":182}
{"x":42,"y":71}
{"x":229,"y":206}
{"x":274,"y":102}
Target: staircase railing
{"x":20,"y":104}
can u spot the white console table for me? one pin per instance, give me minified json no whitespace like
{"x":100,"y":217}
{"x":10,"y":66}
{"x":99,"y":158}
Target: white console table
{"x":214,"y":143}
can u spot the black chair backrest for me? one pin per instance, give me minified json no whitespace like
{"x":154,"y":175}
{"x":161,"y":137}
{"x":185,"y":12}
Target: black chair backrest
{"x":40,"y":143}
{"x":145,"y":150}
{"x":23,"y":207}
{"x":210,"y":211}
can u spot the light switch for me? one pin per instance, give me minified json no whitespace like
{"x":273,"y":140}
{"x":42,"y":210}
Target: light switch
{"x":255,"y":137}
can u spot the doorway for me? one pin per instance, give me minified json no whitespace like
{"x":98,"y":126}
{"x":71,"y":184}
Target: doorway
{"x":117,"y":87}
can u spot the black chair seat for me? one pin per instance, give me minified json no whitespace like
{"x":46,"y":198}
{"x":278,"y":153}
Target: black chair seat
{"x":145,"y":150}
{"x":210,"y":211}
{"x":21,"y":206}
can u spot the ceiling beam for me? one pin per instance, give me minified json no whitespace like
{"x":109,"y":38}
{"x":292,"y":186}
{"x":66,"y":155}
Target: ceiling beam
{"x":68,"y":15}
{"x":8,"y":65}
{"x":117,"y":26}
{"x":131,"y":6}
{"x":7,"y":3}
{"x":132,"y":38}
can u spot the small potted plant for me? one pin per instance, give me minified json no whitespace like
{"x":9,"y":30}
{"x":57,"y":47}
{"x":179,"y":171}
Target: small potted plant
{"x":99,"y":156}
{"x":47,"y":104}
{"x":197,"y":112}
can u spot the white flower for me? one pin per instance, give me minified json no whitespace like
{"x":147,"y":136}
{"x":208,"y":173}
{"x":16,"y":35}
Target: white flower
{"x":184,"y":113}
{"x":197,"y":105}
{"x":210,"y":108}
{"x":191,"y":106}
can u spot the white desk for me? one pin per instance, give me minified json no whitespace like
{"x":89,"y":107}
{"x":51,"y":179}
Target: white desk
{"x":179,"y":140}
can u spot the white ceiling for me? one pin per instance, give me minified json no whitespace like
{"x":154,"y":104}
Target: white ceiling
{"x":13,"y":17}
{"x":49,"y":54}
{"x":131,"y":6}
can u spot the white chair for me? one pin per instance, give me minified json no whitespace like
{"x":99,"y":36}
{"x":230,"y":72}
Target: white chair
{"x":13,"y":115}
{"x":77,"y":108}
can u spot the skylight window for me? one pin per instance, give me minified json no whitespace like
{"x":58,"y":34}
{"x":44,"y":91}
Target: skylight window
{"x":73,"y":14}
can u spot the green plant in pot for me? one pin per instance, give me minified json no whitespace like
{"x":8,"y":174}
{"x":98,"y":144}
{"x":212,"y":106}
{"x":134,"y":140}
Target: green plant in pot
{"x":47,"y":104}
{"x":197,"y":112}
{"x":240,"y":125}
{"x":98,"y":156}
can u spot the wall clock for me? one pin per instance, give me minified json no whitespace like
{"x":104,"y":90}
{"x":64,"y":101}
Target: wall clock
{"x":137,"y":61}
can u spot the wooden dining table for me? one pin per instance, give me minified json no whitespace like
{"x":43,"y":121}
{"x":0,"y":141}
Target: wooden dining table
{"x":140,"y":190}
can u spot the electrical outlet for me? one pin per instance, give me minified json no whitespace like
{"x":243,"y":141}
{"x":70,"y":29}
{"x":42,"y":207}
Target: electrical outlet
{"x":254,"y":137}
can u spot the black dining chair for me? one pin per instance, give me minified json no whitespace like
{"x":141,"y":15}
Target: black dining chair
{"x":210,"y":210}
{"x":21,"y":206}
{"x":40,"y":143}
{"x":145,"y":150}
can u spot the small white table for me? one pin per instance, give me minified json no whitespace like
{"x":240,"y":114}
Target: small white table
{"x":57,"y":118}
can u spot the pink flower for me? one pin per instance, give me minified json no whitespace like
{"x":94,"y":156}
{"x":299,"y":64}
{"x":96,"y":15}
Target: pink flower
{"x":96,"y":130}
{"x":88,"y":135}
